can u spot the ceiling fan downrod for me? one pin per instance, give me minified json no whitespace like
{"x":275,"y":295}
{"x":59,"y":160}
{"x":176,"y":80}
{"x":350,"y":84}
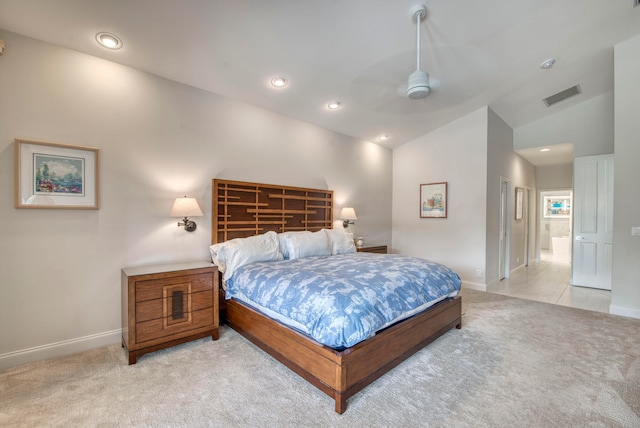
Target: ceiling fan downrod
{"x":418,"y":85}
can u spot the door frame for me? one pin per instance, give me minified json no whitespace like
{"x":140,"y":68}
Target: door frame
{"x":527,"y":224}
{"x":504,"y":229}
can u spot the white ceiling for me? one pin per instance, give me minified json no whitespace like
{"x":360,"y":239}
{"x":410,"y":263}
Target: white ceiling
{"x":549,"y":155}
{"x":358,"y":52}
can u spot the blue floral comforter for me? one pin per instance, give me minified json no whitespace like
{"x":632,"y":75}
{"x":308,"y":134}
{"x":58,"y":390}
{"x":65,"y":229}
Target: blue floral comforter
{"x":344,"y":299}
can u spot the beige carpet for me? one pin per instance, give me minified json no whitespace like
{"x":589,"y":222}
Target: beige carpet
{"x":515,"y":363}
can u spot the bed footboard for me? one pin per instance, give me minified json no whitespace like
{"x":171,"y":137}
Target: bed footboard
{"x":341,"y":374}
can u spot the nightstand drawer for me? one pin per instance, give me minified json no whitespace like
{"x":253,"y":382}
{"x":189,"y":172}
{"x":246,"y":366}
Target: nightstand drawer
{"x":155,"y":288}
{"x":170,"y":307}
{"x":161,"y":328}
{"x":381,"y":249}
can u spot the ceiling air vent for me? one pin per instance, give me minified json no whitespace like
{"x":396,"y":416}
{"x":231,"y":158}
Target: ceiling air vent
{"x":562,"y":95}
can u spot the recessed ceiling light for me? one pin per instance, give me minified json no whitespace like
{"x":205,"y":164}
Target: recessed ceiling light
{"x":109,"y":40}
{"x":545,"y":150}
{"x":334,"y":105}
{"x":548,"y":64}
{"x":383,"y":137}
{"x":279,"y":82}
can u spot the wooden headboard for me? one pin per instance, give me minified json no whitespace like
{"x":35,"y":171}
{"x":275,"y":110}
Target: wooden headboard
{"x":242,"y":209}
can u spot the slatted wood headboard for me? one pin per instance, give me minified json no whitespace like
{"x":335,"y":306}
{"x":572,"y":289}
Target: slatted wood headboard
{"x":242,"y":209}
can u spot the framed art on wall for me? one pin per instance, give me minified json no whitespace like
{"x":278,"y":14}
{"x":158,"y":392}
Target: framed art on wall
{"x":557,"y":207}
{"x":55,"y":176}
{"x":519,"y":197}
{"x":433,"y":200}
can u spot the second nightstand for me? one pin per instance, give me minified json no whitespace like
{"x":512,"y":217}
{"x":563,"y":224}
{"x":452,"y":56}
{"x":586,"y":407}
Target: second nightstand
{"x":382,"y":249}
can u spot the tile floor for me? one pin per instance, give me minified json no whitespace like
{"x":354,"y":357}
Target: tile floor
{"x":548,"y":281}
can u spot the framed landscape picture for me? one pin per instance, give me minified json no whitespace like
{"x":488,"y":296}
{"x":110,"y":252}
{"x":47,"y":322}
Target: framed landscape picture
{"x":52,"y":175}
{"x":519,"y":197}
{"x":433,"y":200}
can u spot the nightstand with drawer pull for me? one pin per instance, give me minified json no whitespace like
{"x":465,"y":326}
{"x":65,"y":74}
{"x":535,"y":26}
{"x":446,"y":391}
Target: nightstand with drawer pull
{"x":382,"y":249}
{"x":165,"y":305}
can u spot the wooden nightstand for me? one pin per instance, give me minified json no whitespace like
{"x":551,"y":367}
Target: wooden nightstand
{"x":165,"y":305}
{"x":382,"y":249}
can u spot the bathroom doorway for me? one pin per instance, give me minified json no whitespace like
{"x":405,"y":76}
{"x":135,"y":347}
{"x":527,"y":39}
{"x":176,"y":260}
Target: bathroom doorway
{"x":555,"y":225}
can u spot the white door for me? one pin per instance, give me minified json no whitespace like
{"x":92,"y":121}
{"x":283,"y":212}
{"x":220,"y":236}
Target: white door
{"x":593,"y":221}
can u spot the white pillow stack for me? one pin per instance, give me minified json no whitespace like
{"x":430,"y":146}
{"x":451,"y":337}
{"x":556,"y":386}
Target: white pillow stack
{"x":282,"y":239}
{"x":232,"y":254}
{"x":271,"y":246}
{"x":307,"y":245}
{"x":341,"y":242}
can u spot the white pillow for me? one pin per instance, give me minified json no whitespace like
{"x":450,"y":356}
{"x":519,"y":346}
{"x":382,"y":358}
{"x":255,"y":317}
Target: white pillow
{"x":232,"y":254}
{"x":301,"y":245}
{"x":341,"y":242}
{"x":283,"y":244}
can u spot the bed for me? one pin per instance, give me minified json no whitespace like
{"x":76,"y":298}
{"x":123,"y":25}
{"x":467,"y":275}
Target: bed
{"x":249,"y":212}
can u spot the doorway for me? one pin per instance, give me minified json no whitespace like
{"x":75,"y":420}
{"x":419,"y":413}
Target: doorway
{"x":503,"y":245}
{"x":555,"y":225}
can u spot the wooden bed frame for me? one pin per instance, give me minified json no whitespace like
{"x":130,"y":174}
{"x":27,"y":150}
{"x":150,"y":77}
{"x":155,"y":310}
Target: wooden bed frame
{"x":243,"y":209}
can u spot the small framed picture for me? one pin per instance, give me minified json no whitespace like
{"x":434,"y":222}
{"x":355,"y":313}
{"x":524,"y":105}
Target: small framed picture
{"x":55,"y":176}
{"x":433,"y":200}
{"x":519,"y":197}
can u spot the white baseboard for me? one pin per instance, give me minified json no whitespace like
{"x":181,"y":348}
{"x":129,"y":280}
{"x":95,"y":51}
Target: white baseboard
{"x":625,"y":312}
{"x":493,"y":284}
{"x":474,"y":286}
{"x":517,"y":268}
{"x":59,"y":349}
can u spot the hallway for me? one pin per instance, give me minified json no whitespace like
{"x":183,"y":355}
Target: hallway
{"x":548,"y":281}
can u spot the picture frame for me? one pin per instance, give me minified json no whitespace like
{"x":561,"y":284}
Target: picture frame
{"x":433,"y":200}
{"x":55,"y":176}
{"x":556,"y":207}
{"x":519,"y":198}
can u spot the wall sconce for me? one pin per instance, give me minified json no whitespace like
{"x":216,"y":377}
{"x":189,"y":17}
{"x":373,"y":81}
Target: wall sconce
{"x":186,"y":207}
{"x":348,"y":214}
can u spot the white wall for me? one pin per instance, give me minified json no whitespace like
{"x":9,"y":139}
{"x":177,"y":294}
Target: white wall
{"x":551,"y":177}
{"x":625,"y":295}
{"x":589,"y":125}
{"x":158,"y":140}
{"x":503,"y":162}
{"x":471,"y":154}
{"x":455,"y":153}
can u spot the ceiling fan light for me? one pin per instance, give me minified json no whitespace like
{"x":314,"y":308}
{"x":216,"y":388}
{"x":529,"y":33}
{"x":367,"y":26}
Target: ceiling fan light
{"x":418,"y":86}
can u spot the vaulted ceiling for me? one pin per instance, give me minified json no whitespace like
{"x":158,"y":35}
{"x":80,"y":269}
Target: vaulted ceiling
{"x":357,"y":52}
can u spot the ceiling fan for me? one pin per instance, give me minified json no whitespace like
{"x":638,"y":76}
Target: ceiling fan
{"x":418,"y":86}
{"x":386,"y":87}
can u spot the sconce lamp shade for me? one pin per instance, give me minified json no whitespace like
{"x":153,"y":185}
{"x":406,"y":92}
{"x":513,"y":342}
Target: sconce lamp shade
{"x":186,"y":207}
{"x":348,"y":214}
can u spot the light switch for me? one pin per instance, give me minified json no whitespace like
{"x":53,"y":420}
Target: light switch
{"x":635,"y":231}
